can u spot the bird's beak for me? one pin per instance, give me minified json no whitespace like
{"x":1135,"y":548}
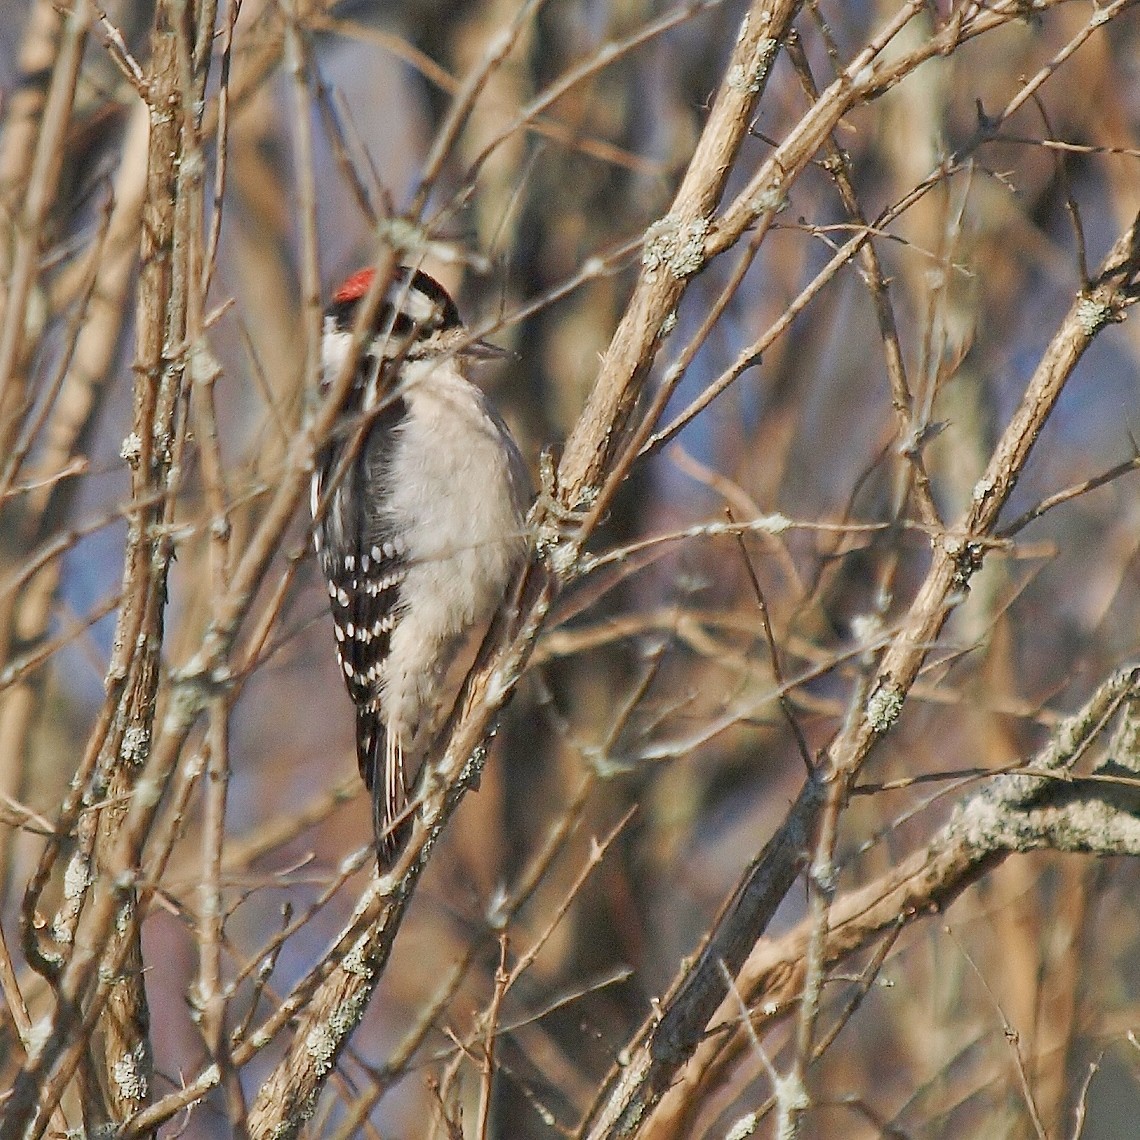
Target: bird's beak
{"x":485,"y":350}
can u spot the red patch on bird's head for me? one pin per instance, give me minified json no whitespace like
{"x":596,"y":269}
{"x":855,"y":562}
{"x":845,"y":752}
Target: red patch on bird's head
{"x":356,"y":286}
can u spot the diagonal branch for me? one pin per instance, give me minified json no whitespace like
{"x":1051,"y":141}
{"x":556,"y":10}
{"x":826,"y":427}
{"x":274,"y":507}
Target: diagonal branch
{"x":674,"y":250}
{"x":665,"y":1041}
{"x":1014,"y":813}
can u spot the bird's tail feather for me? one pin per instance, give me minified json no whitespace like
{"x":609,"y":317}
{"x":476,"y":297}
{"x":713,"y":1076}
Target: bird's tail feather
{"x":381,"y":762}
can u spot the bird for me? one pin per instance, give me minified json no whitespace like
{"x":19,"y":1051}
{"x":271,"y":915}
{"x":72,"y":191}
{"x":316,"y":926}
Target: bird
{"x":419,"y":502}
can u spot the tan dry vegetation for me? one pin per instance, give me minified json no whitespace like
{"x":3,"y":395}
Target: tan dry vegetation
{"x":807,"y":745}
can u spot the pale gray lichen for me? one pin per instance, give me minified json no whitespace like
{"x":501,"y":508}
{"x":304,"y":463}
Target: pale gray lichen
{"x":347,"y":1015}
{"x":131,"y":450}
{"x":163,"y":445}
{"x":356,"y":961}
{"x":770,"y":200}
{"x":749,"y":79}
{"x":325,"y":1039}
{"x":321,"y":1045}
{"x":291,"y":1125}
{"x":735,"y":78}
{"x":1092,"y":315}
{"x":669,"y":323}
{"x":982,"y":490}
{"x":675,"y":246}
{"x":472,"y":769}
{"x":884,"y":707}
{"x":560,"y":555}
{"x":129,"y":1073}
{"x":107,"y":1131}
{"x":745,"y":1126}
{"x":136,"y":742}
{"x":77,"y":877}
{"x":791,"y":1099}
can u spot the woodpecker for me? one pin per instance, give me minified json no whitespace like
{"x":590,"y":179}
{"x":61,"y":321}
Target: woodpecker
{"x":419,"y":503}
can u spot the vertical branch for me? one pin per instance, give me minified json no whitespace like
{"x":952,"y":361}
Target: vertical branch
{"x":79,"y":404}
{"x":126,"y":1061}
{"x":210,"y":996}
{"x":169,"y":302}
{"x":31,"y":154}
{"x":38,"y":199}
{"x":307,"y":195}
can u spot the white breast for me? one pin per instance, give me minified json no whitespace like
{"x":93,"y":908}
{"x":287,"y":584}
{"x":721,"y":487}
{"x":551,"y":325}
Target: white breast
{"x":457,"y":491}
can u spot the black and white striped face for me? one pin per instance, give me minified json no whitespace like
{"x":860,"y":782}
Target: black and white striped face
{"x":417,"y":318}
